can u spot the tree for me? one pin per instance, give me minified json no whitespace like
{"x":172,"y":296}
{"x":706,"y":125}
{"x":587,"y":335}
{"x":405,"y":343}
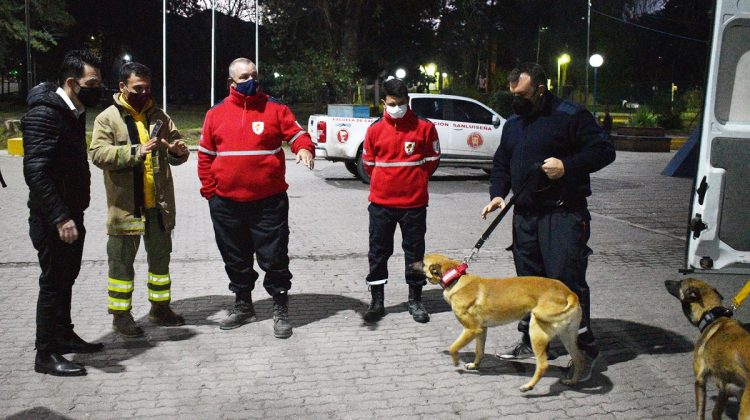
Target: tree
{"x":49,"y":20}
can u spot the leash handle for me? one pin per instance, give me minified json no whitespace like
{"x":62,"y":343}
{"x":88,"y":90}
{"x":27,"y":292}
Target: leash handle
{"x":503,"y":212}
{"x":740,"y":297}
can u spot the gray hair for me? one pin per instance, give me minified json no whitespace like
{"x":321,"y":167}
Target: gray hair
{"x":237,"y":61}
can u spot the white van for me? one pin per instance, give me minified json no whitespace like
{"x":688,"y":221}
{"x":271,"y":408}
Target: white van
{"x":719,"y":235}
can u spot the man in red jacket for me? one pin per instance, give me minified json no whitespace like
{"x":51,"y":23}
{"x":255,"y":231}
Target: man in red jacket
{"x":401,"y":151}
{"x":241,"y":167}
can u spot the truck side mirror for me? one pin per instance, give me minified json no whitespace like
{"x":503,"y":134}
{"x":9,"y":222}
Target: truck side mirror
{"x":496,"y":120}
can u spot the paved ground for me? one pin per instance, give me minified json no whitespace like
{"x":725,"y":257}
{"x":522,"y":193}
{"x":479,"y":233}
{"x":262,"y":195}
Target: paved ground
{"x":334,"y":366}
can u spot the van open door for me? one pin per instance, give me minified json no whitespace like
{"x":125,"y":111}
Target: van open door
{"x":719,"y":234}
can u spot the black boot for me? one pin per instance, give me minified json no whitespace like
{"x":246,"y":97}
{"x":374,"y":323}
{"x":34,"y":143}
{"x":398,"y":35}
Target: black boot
{"x":416,"y":309}
{"x":281,"y":326}
{"x":241,"y":313}
{"x":55,"y":364}
{"x":376,"y":310}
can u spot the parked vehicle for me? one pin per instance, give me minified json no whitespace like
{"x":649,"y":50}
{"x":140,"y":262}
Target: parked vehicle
{"x":469,"y":132}
{"x":719,"y":234}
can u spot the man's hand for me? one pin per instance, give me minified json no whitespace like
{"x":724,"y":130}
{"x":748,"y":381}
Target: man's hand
{"x":178,"y":148}
{"x":67,"y":231}
{"x":496,"y":203}
{"x":553,"y":168}
{"x":148,"y":147}
{"x":306,"y":157}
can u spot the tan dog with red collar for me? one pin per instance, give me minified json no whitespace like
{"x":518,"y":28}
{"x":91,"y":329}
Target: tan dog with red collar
{"x":723,"y":350}
{"x":480,"y":303}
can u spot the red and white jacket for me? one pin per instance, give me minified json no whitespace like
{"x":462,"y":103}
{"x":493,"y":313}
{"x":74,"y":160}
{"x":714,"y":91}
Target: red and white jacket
{"x":400,"y":155}
{"x":240,"y":155}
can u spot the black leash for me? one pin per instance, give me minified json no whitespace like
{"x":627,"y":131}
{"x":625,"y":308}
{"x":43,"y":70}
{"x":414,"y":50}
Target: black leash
{"x":503,"y":212}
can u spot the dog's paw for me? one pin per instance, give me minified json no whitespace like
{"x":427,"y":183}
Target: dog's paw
{"x":569,"y":382}
{"x":471,"y":366}
{"x":526,"y":387}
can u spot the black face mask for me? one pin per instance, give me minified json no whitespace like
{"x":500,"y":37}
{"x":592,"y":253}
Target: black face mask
{"x":89,"y":96}
{"x":522,"y":106}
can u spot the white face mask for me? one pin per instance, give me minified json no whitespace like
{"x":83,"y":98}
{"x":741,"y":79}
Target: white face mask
{"x":397,"y":111}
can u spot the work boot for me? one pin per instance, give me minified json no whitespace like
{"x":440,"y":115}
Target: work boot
{"x":376,"y":310}
{"x":281,"y":326}
{"x":242,"y":313}
{"x":416,"y":309}
{"x":163,"y":315}
{"x":124,"y":324}
{"x":55,"y":364}
{"x":72,"y":343}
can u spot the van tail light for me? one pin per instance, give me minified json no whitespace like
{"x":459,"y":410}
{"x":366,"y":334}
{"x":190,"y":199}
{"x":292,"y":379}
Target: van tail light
{"x":321,"y":127}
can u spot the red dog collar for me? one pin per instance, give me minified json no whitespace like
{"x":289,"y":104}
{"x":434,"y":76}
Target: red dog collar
{"x":452,"y":275}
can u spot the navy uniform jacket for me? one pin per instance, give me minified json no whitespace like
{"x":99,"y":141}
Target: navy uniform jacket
{"x":564,"y":130}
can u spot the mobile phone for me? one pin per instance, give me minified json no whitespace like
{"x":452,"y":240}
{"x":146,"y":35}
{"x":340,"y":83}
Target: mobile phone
{"x":156,"y":129}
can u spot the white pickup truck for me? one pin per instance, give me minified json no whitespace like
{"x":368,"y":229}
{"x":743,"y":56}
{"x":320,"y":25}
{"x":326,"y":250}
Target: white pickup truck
{"x":469,"y":132}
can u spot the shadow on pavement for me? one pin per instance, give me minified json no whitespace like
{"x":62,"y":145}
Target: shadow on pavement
{"x":619,"y":340}
{"x":207,"y":311}
{"x":41,"y":413}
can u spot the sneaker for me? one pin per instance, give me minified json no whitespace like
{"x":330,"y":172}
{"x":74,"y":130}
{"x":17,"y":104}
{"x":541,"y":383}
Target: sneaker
{"x":523,"y":350}
{"x":590,"y":365}
{"x":281,"y":326}
{"x":241,"y":313}
{"x":125,"y":325}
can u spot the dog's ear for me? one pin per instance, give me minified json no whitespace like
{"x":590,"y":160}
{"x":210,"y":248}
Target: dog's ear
{"x":435,"y":270}
{"x":692,"y":294}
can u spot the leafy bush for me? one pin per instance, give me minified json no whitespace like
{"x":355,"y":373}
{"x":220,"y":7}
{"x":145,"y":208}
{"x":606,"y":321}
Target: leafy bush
{"x":644,"y":117}
{"x":501,"y":101}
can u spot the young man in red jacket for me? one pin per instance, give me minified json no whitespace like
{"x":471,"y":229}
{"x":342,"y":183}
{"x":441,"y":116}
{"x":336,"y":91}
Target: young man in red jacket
{"x":401,"y":151}
{"x":241,"y":166}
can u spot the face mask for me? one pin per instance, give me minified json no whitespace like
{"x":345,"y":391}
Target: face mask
{"x":397,"y":111}
{"x":522,"y":106}
{"x":137,"y":100}
{"x":89,"y":96}
{"x":248,"y":87}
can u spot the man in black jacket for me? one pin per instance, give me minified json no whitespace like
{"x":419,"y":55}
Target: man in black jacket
{"x":56,"y":170}
{"x":552,"y":146}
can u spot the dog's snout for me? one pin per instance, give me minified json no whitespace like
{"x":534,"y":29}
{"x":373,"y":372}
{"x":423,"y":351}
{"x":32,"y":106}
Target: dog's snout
{"x":673,"y":287}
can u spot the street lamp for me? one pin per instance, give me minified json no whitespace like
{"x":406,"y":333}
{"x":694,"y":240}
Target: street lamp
{"x":561,"y":61}
{"x":126,"y":57}
{"x":595,"y":61}
{"x":400,"y":73}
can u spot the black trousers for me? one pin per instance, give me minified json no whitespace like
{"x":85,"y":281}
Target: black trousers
{"x":60,"y":263}
{"x":257,"y":227}
{"x":383,"y":221}
{"x":554,"y":245}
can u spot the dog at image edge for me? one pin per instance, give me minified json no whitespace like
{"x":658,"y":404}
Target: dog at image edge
{"x":722,"y":351}
{"x":480,"y":303}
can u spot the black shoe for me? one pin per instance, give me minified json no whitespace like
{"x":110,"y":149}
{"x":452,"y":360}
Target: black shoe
{"x":523,"y":350}
{"x":242,"y":313}
{"x":281,"y":326}
{"x":124,"y":324}
{"x":55,"y":364}
{"x":72,"y":343}
{"x":161,"y":314}
{"x":416,"y":309}
{"x":376,"y":310}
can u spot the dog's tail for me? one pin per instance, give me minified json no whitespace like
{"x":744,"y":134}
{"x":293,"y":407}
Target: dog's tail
{"x":571,"y":305}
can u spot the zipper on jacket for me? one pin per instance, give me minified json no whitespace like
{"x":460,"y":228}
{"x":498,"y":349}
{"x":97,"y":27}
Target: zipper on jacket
{"x":244,"y":113}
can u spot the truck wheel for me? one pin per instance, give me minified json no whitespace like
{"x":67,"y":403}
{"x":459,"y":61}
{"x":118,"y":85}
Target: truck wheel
{"x":361,"y":172}
{"x":351,"y":166}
